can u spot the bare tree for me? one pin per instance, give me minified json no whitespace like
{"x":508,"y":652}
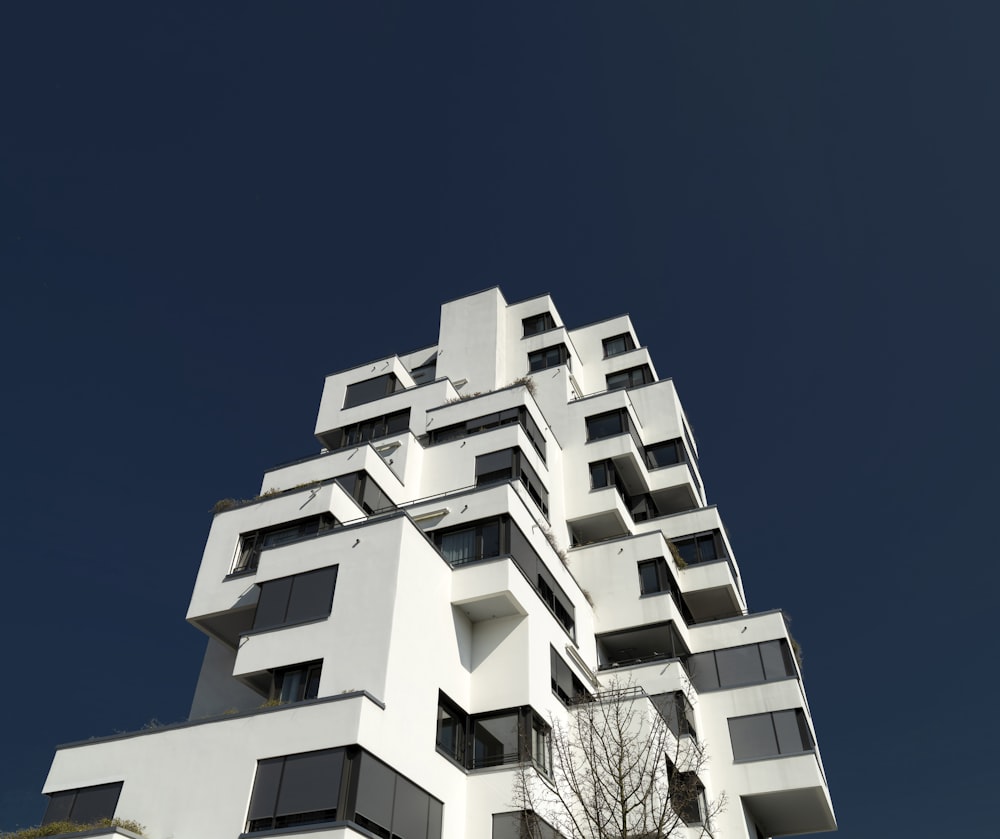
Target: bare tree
{"x":624,"y":766}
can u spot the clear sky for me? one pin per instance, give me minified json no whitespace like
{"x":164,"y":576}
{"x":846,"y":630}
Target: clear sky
{"x":205,"y":209}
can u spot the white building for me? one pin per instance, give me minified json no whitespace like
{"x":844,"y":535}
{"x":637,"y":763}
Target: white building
{"x":393,"y":622}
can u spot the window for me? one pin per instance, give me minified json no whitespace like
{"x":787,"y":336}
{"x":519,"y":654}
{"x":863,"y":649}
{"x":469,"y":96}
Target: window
{"x":251,"y":544}
{"x":521,"y":824}
{"x":611,"y":424}
{"x":538,"y":323}
{"x":370,"y":429}
{"x":745,"y":665}
{"x":702,"y":547}
{"x":470,"y":544}
{"x":296,"y":599}
{"x":488,"y":422}
{"x":499,"y":536}
{"x":654,"y":576}
{"x":665,"y":454}
{"x":618,"y":344}
{"x":769,"y":735}
{"x":495,"y":738}
{"x":391,"y":806}
{"x":565,"y":685}
{"x":687,"y":795}
{"x":424,"y":373}
{"x":83,"y":805}
{"x":345,"y":784}
{"x":633,"y":377}
{"x":294,"y":684}
{"x":452,"y":723}
{"x":371,"y":389}
{"x":548,"y":357}
{"x":676,"y":712}
{"x":508,"y":465}
{"x":369,"y":495}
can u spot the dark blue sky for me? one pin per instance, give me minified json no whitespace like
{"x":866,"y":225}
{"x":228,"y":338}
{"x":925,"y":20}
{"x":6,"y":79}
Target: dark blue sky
{"x":203,"y":211}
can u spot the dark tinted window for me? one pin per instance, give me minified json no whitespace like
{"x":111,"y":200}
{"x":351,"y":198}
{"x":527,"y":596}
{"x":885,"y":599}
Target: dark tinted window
{"x":653,"y":576}
{"x":295,"y":599}
{"x":371,"y":389}
{"x":739,"y":665}
{"x":769,"y":735}
{"x":538,"y":323}
{"x":251,"y":544}
{"x":633,"y":377}
{"x":618,"y":344}
{"x":665,"y":454}
{"x":548,"y":357}
{"x":86,"y":804}
{"x":605,"y":425}
{"x":744,"y":665}
{"x":704,"y":547}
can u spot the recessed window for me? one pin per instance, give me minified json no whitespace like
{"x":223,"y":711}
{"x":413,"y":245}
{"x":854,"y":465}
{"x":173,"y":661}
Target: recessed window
{"x":344,"y":784}
{"x":676,"y":711}
{"x":510,"y":416}
{"x":633,"y":377}
{"x":495,"y":738}
{"x":611,"y":424}
{"x":667,"y":453}
{"x":83,"y":805}
{"x":297,"y":683}
{"x":702,"y":547}
{"x":618,"y":344}
{"x":548,"y":357}
{"x":769,"y":735}
{"x":499,"y":536}
{"x":538,"y":323}
{"x":565,"y":685}
{"x":510,"y":465}
{"x":369,"y":495}
{"x":371,"y":389}
{"x":370,"y":429}
{"x":251,"y":544}
{"x":523,"y":823}
{"x":654,"y":577}
{"x":296,"y":599}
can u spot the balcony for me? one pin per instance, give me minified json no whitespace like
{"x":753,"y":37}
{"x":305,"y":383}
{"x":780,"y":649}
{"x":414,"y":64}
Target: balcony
{"x":490,"y":589}
{"x":786,"y":794}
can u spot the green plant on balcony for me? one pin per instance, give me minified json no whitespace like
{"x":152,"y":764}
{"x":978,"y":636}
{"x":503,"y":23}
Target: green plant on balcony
{"x":679,"y":561}
{"x":60,"y":828}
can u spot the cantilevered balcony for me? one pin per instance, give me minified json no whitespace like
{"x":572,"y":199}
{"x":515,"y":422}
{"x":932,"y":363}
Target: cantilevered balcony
{"x":786,"y":794}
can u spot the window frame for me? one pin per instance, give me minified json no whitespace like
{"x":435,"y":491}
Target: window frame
{"x":635,"y":377}
{"x":253,"y":542}
{"x":354,"y":395}
{"x":628,"y":344}
{"x":540,"y":359}
{"x":68,"y":812}
{"x":305,"y":580}
{"x":536,"y":324}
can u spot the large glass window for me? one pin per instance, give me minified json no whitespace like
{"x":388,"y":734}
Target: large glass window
{"x":541,"y":322}
{"x":654,"y":576}
{"x":633,"y":377}
{"x":307,"y":788}
{"x":495,"y":738}
{"x":768,"y":735}
{"x":83,"y":805}
{"x":296,"y":599}
{"x":371,"y":389}
{"x":618,"y":344}
{"x":251,"y":544}
{"x":548,"y":357}
{"x":745,"y":665}
{"x":666,"y":453}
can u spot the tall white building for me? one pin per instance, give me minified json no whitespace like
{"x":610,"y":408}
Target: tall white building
{"x":497,"y":525}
